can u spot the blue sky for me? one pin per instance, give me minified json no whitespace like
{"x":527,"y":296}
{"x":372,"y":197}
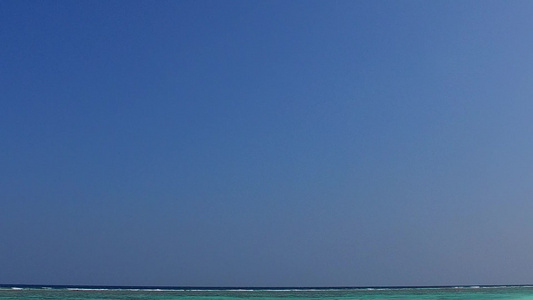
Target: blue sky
{"x":266,"y":143}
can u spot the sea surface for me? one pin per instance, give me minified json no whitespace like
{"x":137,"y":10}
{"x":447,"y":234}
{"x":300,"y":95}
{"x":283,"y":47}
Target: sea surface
{"x":133,"y":293}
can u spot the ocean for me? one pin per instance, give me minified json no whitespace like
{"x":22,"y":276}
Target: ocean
{"x":140,"y":293}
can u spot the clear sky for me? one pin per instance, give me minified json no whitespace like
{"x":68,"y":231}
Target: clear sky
{"x":266,"y":143}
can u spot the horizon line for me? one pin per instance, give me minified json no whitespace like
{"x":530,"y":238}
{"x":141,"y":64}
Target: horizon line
{"x":199,"y":287}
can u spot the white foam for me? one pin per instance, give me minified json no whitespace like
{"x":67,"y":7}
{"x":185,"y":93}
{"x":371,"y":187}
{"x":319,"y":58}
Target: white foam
{"x":87,"y":289}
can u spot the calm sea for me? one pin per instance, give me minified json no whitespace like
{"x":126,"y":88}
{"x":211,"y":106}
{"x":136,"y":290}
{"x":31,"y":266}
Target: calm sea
{"x":119,"y":293}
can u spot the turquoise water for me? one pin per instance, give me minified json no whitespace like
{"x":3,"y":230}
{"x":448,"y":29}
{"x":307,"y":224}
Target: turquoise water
{"x":509,"y":292}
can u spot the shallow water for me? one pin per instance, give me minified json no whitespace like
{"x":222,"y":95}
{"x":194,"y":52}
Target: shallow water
{"x":472,"y":293}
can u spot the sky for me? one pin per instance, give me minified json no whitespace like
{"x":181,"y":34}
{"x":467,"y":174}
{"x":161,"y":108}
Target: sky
{"x":266,"y":143}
